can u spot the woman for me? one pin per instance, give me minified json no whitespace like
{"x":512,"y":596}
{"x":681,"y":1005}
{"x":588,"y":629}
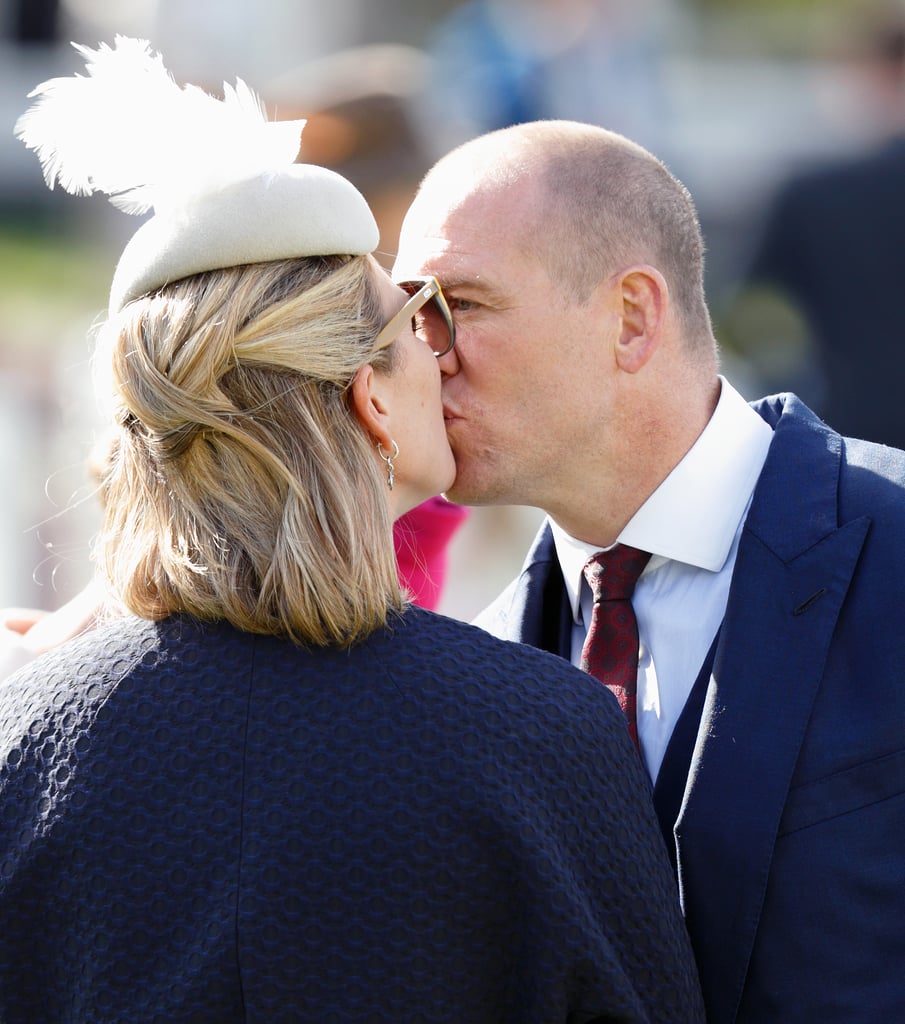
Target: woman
{"x":269,"y":789}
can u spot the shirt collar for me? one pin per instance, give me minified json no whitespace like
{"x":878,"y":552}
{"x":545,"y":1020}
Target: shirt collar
{"x":695,"y":513}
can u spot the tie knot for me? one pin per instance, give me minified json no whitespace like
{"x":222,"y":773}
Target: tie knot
{"x":612,"y":574}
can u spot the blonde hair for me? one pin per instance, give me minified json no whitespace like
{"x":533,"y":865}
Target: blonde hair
{"x":240,"y":485}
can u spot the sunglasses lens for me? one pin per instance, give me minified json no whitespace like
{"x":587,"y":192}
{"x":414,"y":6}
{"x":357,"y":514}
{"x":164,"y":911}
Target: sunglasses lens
{"x":430,"y":325}
{"x":445,"y":314}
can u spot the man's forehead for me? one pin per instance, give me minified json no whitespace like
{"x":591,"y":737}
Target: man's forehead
{"x":421,"y":254}
{"x":455,"y":234}
{"x":436,"y":235}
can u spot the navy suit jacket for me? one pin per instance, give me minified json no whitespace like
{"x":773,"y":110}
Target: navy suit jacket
{"x":790,"y":837}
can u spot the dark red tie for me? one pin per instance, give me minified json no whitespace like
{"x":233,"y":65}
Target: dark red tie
{"x":610,"y":651}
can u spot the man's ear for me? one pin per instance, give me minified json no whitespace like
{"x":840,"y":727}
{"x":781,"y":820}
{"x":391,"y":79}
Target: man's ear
{"x":643,"y":295}
{"x":369,"y":405}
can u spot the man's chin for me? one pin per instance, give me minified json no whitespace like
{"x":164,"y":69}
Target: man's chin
{"x":454,"y":495}
{"x":475,"y":482}
{"x":460,"y":493}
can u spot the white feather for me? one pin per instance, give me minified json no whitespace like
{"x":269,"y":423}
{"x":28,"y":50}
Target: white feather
{"x":129,"y":130}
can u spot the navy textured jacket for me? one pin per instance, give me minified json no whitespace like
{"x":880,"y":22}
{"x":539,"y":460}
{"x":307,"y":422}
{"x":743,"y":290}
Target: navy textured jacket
{"x":201,"y":825}
{"x":790,"y":833}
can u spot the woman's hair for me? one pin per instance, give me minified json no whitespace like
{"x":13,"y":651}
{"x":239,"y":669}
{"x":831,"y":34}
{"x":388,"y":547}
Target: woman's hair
{"x":240,"y":485}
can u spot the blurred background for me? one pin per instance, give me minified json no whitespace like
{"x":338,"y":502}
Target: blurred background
{"x":785,"y":118}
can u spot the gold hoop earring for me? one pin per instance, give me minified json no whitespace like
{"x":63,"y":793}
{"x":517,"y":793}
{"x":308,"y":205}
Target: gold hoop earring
{"x":388,"y":459}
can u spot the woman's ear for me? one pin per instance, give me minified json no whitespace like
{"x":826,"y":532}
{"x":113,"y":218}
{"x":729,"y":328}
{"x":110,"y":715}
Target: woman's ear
{"x":644,"y":295}
{"x":369,"y":404}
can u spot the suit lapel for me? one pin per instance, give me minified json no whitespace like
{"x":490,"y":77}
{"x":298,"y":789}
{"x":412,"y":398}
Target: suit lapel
{"x":792,"y":573}
{"x":534,"y":609}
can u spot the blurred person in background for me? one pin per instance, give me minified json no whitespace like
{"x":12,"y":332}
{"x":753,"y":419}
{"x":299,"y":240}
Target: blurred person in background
{"x":765,"y":676}
{"x":266,"y":787}
{"x":831,"y":246}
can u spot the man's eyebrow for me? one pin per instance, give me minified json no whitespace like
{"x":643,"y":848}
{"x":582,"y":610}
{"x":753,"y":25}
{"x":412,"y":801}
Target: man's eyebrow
{"x":472,"y":284}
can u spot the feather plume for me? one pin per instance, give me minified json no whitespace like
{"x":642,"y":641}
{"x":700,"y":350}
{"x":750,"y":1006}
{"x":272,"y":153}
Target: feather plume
{"x":127,"y":129}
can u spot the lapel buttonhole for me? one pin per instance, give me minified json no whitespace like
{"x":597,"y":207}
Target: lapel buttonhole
{"x":803,"y":607}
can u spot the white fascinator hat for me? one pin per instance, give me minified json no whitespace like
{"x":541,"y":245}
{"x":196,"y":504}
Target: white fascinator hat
{"x":220,"y":178}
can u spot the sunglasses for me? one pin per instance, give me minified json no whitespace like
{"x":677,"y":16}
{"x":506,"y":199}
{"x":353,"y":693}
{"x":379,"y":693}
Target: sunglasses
{"x":429,"y":313}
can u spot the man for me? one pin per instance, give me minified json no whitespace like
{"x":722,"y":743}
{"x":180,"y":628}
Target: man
{"x":771,"y":681}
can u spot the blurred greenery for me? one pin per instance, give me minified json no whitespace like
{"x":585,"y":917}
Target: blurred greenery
{"x":790,"y":29}
{"x":49,"y":280}
{"x":816,"y":7}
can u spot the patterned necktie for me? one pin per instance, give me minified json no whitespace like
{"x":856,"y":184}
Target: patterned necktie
{"x":610,"y":651}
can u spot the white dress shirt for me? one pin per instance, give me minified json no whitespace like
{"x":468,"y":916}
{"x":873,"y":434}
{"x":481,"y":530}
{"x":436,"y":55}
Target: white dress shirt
{"x":691,"y":524}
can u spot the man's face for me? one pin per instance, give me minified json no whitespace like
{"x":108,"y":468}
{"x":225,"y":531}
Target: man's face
{"x":522,"y":356}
